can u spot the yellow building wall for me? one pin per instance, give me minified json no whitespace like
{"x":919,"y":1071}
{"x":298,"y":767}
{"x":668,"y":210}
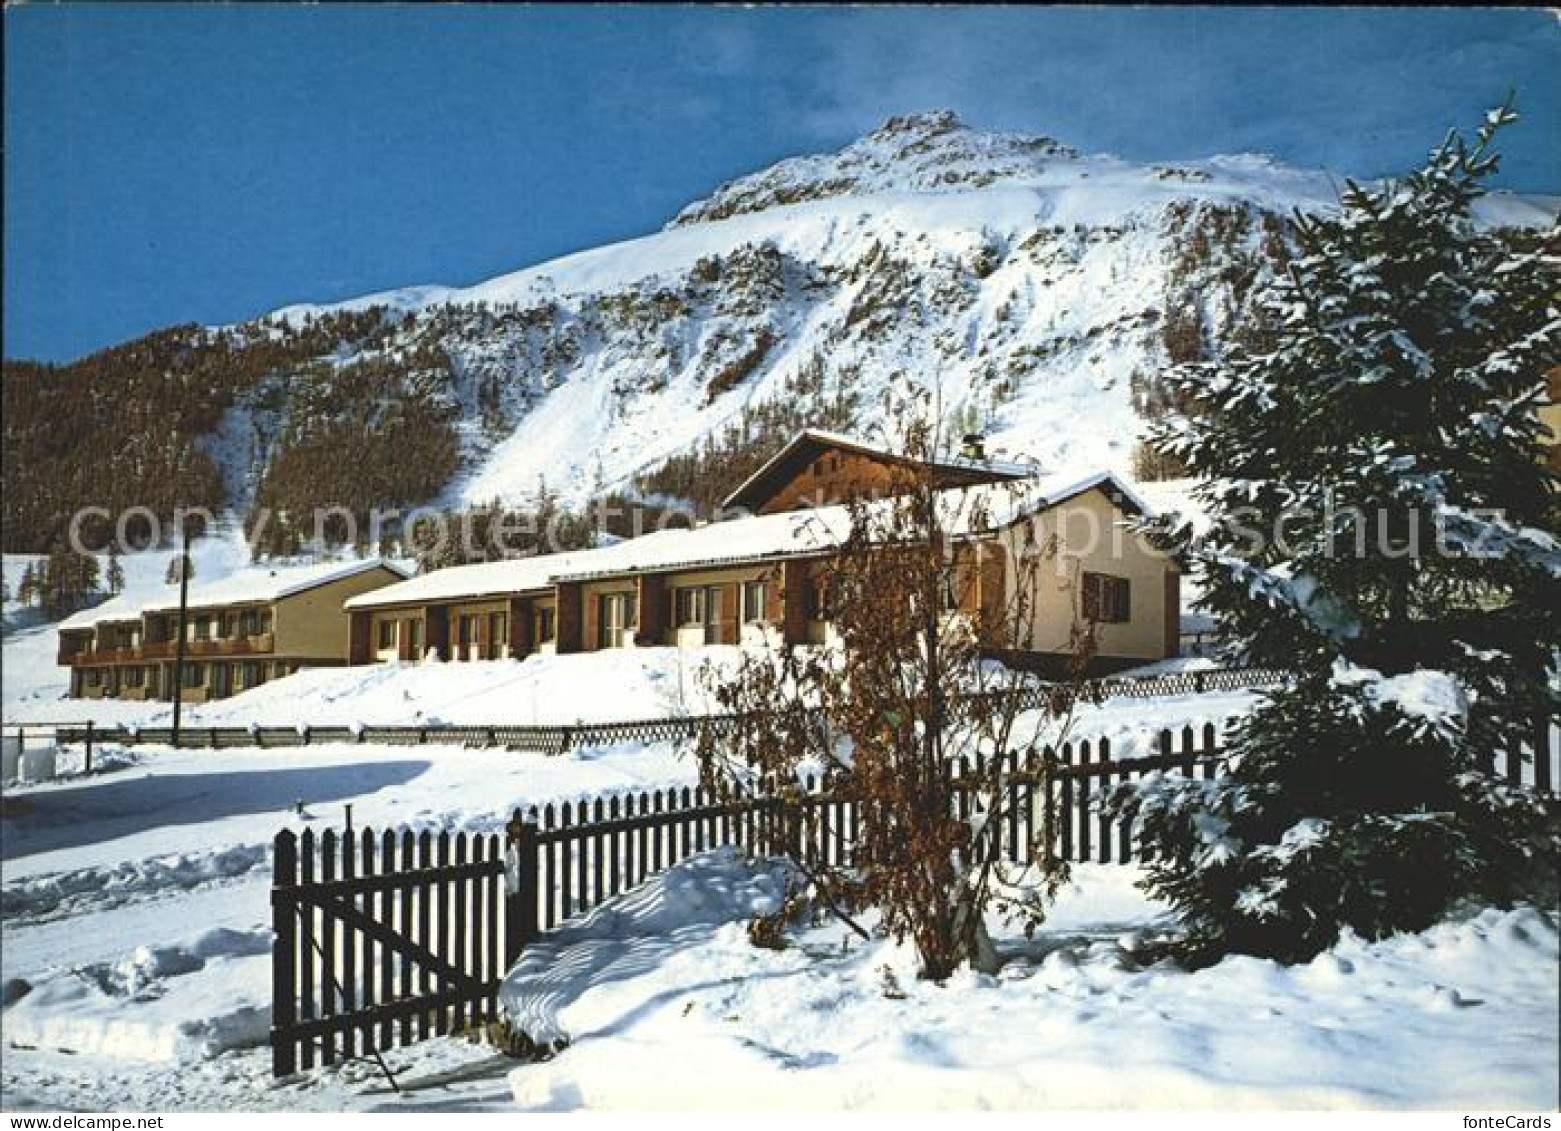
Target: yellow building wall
{"x":313,"y":623}
{"x":1083,"y":535}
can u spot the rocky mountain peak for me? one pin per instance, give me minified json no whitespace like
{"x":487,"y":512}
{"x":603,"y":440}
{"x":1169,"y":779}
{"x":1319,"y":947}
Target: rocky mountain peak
{"x":932,"y":151}
{"x":929,"y":122}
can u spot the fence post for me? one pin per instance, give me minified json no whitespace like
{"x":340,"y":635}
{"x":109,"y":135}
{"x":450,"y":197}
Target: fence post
{"x":1198,"y":682}
{"x":86,"y":767}
{"x":520,"y":889}
{"x":284,"y":944}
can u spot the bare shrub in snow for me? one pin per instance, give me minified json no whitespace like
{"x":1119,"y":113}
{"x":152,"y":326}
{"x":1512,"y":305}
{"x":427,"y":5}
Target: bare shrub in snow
{"x":902,"y":712}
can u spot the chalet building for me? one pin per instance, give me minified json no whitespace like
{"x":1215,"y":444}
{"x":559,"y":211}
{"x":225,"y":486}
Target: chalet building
{"x":762,"y":575}
{"x":241,"y":631}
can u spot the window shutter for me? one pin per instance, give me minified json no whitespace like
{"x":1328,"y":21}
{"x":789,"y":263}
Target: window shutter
{"x":1122,"y":600}
{"x":1092,"y":596}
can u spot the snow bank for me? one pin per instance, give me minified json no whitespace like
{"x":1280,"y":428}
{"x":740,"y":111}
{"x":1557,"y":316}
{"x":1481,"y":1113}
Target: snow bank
{"x":1464,"y":1015}
{"x":172,"y":1003}
{"x":628,"y":936}
{"x":98,"y":889}
{"x":606,"y":686}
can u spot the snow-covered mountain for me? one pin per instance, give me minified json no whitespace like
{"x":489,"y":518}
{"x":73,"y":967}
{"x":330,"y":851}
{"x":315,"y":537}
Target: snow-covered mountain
{"x":1039,"y":290}
{"x":1036,"y":287}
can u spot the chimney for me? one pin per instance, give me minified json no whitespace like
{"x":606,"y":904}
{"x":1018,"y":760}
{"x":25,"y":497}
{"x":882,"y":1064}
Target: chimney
{"x":974,"y":447}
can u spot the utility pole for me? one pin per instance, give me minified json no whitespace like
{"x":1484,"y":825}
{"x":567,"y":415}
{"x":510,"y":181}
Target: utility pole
{"x":184,"y":601}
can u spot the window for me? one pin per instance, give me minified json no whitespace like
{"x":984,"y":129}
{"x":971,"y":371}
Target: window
{"x":194,"y":675}
{"x":466,"y":629}
{"x":202,"y":628}
{"x":498,"y":634}
{"x":414,"y":629}
{"x":818,"y":600}
{"x":547,"y":624}
{"x":225,"y":623}
{"x":387,"y":635}
{"x":693,"y":606}
{"x":94,"y":677}
{"x":249,"y":622}
{"x":619,"y":616}
{"x":755,"y":601}
{"x":134,"y":677}
{"x":252,"y":675}
{"x":1107,"y":599}
{"x":699,"y":606}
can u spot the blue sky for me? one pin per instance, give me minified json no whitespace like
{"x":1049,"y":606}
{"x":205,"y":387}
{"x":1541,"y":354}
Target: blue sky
{"x":191,"y":163}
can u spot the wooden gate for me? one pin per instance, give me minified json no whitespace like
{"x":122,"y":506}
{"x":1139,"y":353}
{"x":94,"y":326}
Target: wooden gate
{"x":385,"y":939}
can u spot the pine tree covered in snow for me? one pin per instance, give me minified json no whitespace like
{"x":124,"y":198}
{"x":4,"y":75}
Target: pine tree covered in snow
{"x":114,"y":578}
{"x":66,"y":580}
{"x":1383,"y":525}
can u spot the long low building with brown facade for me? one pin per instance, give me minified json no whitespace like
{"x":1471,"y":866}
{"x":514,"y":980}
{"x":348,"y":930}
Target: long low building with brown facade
{"x":724,"y":582}
{"x":240,"y":631}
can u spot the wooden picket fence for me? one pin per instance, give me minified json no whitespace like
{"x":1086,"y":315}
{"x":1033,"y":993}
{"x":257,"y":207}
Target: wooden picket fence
{"x":386,"y":938}
{"x":389,"y":938}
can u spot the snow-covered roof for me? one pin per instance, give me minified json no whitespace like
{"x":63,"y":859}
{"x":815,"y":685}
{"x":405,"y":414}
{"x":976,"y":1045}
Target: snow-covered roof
{"x":254,"y":585}
{"x":789,"y":534}
{"x":483,"y":579}
{"x":763,"y":537}
{"x":114,"y":609}
{"x":1048,"y":490}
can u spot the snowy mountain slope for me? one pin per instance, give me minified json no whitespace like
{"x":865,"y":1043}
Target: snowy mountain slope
{"x":1039,"y":289}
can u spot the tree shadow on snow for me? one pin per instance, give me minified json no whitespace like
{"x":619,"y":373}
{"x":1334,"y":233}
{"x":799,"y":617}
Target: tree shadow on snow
{"x":108,"y":810}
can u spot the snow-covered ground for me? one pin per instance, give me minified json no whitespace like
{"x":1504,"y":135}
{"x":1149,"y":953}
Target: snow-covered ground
{"x":135,"y":902}
{"x":590,"y":687}
{"x":660,"y":1001}
{"x":668,"y":1005}
{"x":134,"y":918}
{"x":607,"y":686}
{"x":135,"y":964}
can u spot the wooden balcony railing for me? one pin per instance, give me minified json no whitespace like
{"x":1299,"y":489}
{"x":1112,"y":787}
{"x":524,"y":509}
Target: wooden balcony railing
{"x":260,"y":644}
